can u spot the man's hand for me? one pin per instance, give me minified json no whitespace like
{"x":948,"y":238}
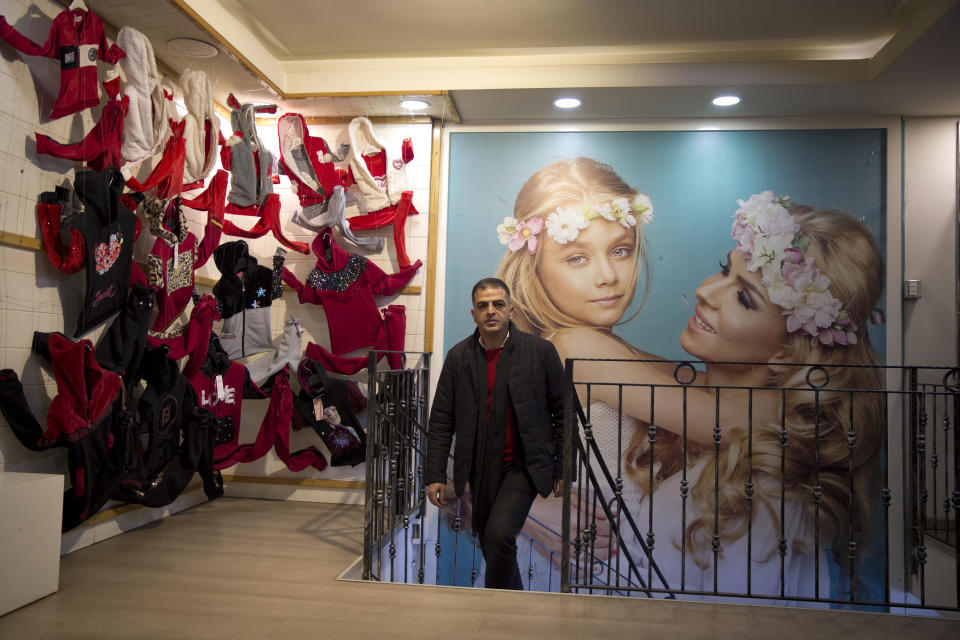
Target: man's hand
{"x":557,"y":487}
{"x":435,"y":492}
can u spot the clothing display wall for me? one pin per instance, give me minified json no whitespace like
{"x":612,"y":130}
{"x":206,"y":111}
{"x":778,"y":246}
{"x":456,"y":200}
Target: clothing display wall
{"x":34,"y":295}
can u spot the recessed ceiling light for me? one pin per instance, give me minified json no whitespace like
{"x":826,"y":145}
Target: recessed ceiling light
{"x":726,"y":101}
{"x":414,"y":105}
{"x":567,"y":103}
{"x":193,"y":48}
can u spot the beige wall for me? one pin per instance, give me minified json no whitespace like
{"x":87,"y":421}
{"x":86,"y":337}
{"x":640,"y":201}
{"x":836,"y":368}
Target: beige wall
{"x":930,"y":240}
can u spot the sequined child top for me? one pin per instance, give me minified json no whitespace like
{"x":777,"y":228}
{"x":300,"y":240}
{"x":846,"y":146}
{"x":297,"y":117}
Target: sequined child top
{"x":344,"y":284}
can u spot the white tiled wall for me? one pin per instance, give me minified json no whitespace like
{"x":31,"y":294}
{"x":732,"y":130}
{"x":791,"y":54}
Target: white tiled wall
{"x":35,"y":296}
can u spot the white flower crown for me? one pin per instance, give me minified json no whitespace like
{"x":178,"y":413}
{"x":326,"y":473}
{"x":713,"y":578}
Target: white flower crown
{"x":771,"y":241}
{"x":564,"y":224}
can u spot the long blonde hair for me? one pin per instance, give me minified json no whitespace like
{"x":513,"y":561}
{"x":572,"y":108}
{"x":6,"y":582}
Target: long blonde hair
{"x":818,"y":424}
{"x":560,"y":184}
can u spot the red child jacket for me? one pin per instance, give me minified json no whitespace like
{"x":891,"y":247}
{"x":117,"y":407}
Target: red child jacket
{"x":77,"y":38}
{"x":345,"y":284}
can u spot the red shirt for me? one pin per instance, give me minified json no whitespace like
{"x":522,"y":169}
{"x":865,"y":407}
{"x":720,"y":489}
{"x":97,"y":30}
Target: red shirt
{"x":509,"y":437}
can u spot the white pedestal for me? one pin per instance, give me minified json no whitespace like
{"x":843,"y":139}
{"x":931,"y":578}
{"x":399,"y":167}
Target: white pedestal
{"x":31,"y":507}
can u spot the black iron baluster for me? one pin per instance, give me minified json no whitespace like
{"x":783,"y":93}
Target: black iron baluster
{"x":782,"y":540}
{"x":851,"y":539}
{"x":956,"y":491}
{"x":617,"y":495}
{"x":570,"y":423}
{"x":530,"y":569}
{"x":922,"y":482}
{"x":473,"y":562}
{"x":748,"y":490}
{"x":652,"y":439}
{"x":421,"y":488}
{"x":934,"y":459}
{"x":436,"y":552}
{"x":369,"y":514}
{"x":715,"y":540}
{"x":817,"y":378}
{"x":590,"y":537}
{"x":946,"y":468}
{"x":457,"y":525}
{"x":683,"y":492}
{"x":583,"y":508}
{"x":885,"y":499}
{"x":393,"y":447}
{"x":817,"y":489}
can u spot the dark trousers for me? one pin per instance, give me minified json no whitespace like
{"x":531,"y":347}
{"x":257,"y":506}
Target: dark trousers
{"x":498,"y":540}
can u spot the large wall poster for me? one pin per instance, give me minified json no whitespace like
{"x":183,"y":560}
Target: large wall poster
{"x":694,"y":180}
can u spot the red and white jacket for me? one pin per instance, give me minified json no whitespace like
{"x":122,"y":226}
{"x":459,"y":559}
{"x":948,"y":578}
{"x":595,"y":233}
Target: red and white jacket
{"x":76,"y":38}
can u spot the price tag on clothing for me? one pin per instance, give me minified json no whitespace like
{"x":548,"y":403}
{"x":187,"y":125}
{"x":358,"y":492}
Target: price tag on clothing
{"x":318,"y":408}
{"x":176,"y":254}
{"x":220,"y":392}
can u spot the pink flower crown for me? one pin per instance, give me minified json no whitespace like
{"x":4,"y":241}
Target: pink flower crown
{"x":770,"y":239}
{"x":564,"y":224}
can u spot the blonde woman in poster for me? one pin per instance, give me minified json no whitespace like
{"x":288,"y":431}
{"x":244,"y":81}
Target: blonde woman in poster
{"x":799,"y":287}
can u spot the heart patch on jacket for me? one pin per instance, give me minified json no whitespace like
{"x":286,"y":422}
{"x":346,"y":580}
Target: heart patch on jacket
{"x":106,"y":254}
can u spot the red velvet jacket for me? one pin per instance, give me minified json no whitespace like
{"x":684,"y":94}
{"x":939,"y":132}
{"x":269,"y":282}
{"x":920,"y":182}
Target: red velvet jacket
{"x":345,"y":284}
{"x":84,"y":417}
{"x":101,"y":147}
{"x":78,"y":40}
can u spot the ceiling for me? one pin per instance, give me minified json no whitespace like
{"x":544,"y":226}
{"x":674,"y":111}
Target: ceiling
{"x":506,"y":60}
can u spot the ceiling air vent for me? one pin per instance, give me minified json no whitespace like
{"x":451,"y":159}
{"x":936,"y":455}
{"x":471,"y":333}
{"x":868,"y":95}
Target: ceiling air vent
{"x":193,"y":48}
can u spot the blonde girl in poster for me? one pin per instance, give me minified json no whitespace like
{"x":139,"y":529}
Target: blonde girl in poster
{"x":799,"y":287}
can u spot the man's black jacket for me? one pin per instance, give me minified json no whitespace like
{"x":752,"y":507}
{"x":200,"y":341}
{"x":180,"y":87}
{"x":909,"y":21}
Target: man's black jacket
{"x":535,"y":389}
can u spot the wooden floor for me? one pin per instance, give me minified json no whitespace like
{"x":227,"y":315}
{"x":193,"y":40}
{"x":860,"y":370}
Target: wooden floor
{"x":249,"y":569}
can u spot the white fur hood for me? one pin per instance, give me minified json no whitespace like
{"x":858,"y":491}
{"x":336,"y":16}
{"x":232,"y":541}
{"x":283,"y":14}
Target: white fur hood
{"x":201,"y":152}
{"x":145,"y":126}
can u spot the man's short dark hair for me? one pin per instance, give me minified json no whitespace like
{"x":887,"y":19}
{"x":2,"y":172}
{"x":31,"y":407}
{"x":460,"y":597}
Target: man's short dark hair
{"x":489,"y":283}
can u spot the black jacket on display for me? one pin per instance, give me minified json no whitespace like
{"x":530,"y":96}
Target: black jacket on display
{"x":174,"y":437}
{"x":87,"y":417}
{"x":108,"y":230}
{"x":535,"y":395}
{"x":122,"y":345}
{"x":348,"y":446}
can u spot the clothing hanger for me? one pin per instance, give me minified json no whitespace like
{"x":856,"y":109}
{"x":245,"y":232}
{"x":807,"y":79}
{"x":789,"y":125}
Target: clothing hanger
{"x":78,"y":5}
